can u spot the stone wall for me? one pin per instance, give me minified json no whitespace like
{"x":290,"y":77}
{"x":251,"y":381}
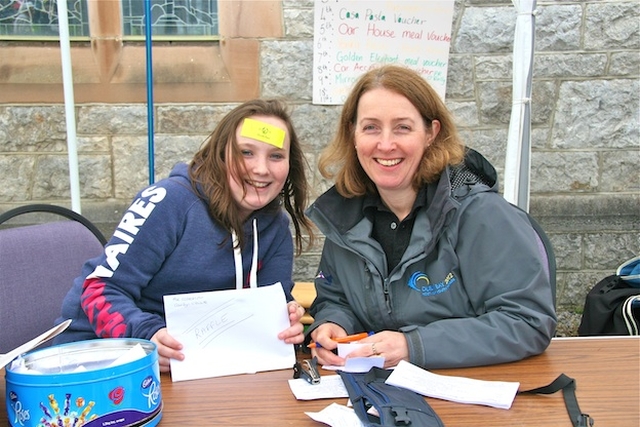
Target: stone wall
{"x":585,"y":179}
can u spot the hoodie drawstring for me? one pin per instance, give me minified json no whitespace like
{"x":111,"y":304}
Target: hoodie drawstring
{"x":237,"y":258}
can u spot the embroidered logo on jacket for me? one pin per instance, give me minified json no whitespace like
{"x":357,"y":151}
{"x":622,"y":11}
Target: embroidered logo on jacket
{"x":420,"y":282}
{"x":328,"y":279}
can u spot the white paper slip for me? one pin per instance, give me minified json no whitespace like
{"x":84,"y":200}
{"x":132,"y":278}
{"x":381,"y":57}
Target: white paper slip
{"x":499,"y":394}
{"x":355,"y":364}
{"x":330,"y":387}
{"x":336,"y":415}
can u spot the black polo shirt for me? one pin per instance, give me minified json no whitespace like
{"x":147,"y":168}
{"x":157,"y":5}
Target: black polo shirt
{"x":392,"y":234}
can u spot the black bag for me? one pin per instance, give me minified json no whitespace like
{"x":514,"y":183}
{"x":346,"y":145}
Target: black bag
{"x":396,"y":406}
{"x":612,"y":307}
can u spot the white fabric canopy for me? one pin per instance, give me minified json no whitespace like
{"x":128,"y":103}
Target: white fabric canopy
{"x":518,"y":158}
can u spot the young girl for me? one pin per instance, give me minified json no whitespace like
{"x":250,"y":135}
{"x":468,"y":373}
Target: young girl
{"x":179,"y":235}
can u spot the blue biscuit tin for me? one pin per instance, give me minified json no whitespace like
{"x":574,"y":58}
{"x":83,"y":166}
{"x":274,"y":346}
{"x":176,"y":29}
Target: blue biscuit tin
{"x":79,"y":385}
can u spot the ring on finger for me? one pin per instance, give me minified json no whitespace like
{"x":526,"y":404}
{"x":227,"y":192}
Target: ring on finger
{"x":373,"y":349}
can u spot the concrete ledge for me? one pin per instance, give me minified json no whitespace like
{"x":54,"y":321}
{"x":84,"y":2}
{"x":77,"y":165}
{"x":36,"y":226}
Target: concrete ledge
{"x":587,"y":213}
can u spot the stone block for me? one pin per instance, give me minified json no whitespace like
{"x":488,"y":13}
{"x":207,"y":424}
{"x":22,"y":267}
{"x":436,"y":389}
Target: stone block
{"x":558,"y":27}
{"x":17,"y":177}
{"x":287,"y":69}
{"x":485,"y":29}
{"x":112,"y":119}
{"x":597,"y":113}
{"x":612,"y":26}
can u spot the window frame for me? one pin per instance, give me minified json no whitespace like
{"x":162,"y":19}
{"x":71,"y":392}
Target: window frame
{"x":107,"y":68}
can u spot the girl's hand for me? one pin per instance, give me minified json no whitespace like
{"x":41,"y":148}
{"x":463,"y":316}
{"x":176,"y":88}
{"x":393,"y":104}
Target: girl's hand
{"x":168,"y":348}
{"x":294,"y":334}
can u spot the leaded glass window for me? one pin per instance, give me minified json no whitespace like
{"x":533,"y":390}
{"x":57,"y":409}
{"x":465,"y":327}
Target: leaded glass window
{"x":39,"y":18}
{"x":170,"y":18}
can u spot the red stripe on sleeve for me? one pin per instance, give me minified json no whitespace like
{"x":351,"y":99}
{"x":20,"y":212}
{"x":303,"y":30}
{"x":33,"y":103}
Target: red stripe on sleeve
{"x":107,"y":322}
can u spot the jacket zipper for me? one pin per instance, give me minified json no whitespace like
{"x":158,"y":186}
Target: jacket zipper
{"x":387,"y":297}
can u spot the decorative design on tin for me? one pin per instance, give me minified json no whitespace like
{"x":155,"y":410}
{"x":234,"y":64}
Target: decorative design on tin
{"x":116,"y":395}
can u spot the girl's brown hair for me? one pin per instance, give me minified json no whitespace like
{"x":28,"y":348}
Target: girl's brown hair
{"x":339,"y":159}
{"x":209,"y":171}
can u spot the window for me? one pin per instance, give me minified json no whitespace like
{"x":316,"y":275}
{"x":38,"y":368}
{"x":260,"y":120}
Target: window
{"x":39,"y":18}
{"x":203,"y":50}
{"x":171,"y":19}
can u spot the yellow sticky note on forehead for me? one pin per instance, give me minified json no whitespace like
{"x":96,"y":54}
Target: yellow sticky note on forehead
{"x":262,"y":131}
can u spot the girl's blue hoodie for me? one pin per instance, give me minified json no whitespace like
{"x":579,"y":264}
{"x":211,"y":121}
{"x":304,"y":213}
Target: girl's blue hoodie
{"x":167,"y":243}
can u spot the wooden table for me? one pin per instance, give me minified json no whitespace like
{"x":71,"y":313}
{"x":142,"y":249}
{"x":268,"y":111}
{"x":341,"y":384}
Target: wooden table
{"x":607,"y":373}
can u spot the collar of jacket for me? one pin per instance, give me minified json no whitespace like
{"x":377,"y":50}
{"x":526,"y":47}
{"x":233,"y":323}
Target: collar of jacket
{"x":454,"y":184}
{"x":475,"y":169}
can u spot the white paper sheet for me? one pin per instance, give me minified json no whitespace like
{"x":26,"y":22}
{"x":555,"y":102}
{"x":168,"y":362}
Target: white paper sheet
{"x":336,"y":415}
{"x":330,"y":387}
{"x":229,"y":332}
{"x":355,"y":364}
{"x":498,"y":394}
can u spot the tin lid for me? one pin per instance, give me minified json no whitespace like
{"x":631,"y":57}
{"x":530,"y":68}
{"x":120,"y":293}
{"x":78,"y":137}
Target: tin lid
{"x":56,"y":330}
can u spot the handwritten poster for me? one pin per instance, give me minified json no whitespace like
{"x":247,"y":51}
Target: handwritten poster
{"x":352,"y":36}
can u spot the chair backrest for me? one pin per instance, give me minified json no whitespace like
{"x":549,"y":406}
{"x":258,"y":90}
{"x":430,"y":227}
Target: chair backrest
{"x":57,"y":210}
{"x":38,"y":264}
{"x":546,"y":249}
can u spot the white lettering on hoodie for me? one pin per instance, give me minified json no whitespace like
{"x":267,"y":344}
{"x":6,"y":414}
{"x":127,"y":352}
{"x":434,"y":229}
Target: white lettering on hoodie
{"x":128,"y":228}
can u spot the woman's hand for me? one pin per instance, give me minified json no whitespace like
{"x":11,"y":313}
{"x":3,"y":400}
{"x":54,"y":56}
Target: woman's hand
{"x":324,"y":335}
{"x":294,"y":334}
{"x":390,"y":345}
{"x":168,"y":348}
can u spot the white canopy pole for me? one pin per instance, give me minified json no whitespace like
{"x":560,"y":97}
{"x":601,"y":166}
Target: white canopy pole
{"x":518,"y":158}
{"x":67,"y":82}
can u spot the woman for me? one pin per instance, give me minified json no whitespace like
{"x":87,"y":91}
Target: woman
{"x":420,"y":248}
{"x":179,"y":234}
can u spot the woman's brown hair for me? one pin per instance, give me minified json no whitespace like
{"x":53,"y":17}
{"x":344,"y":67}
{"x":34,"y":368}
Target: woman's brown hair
{"x":209,"y":171}
{"x":339,"y":159}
